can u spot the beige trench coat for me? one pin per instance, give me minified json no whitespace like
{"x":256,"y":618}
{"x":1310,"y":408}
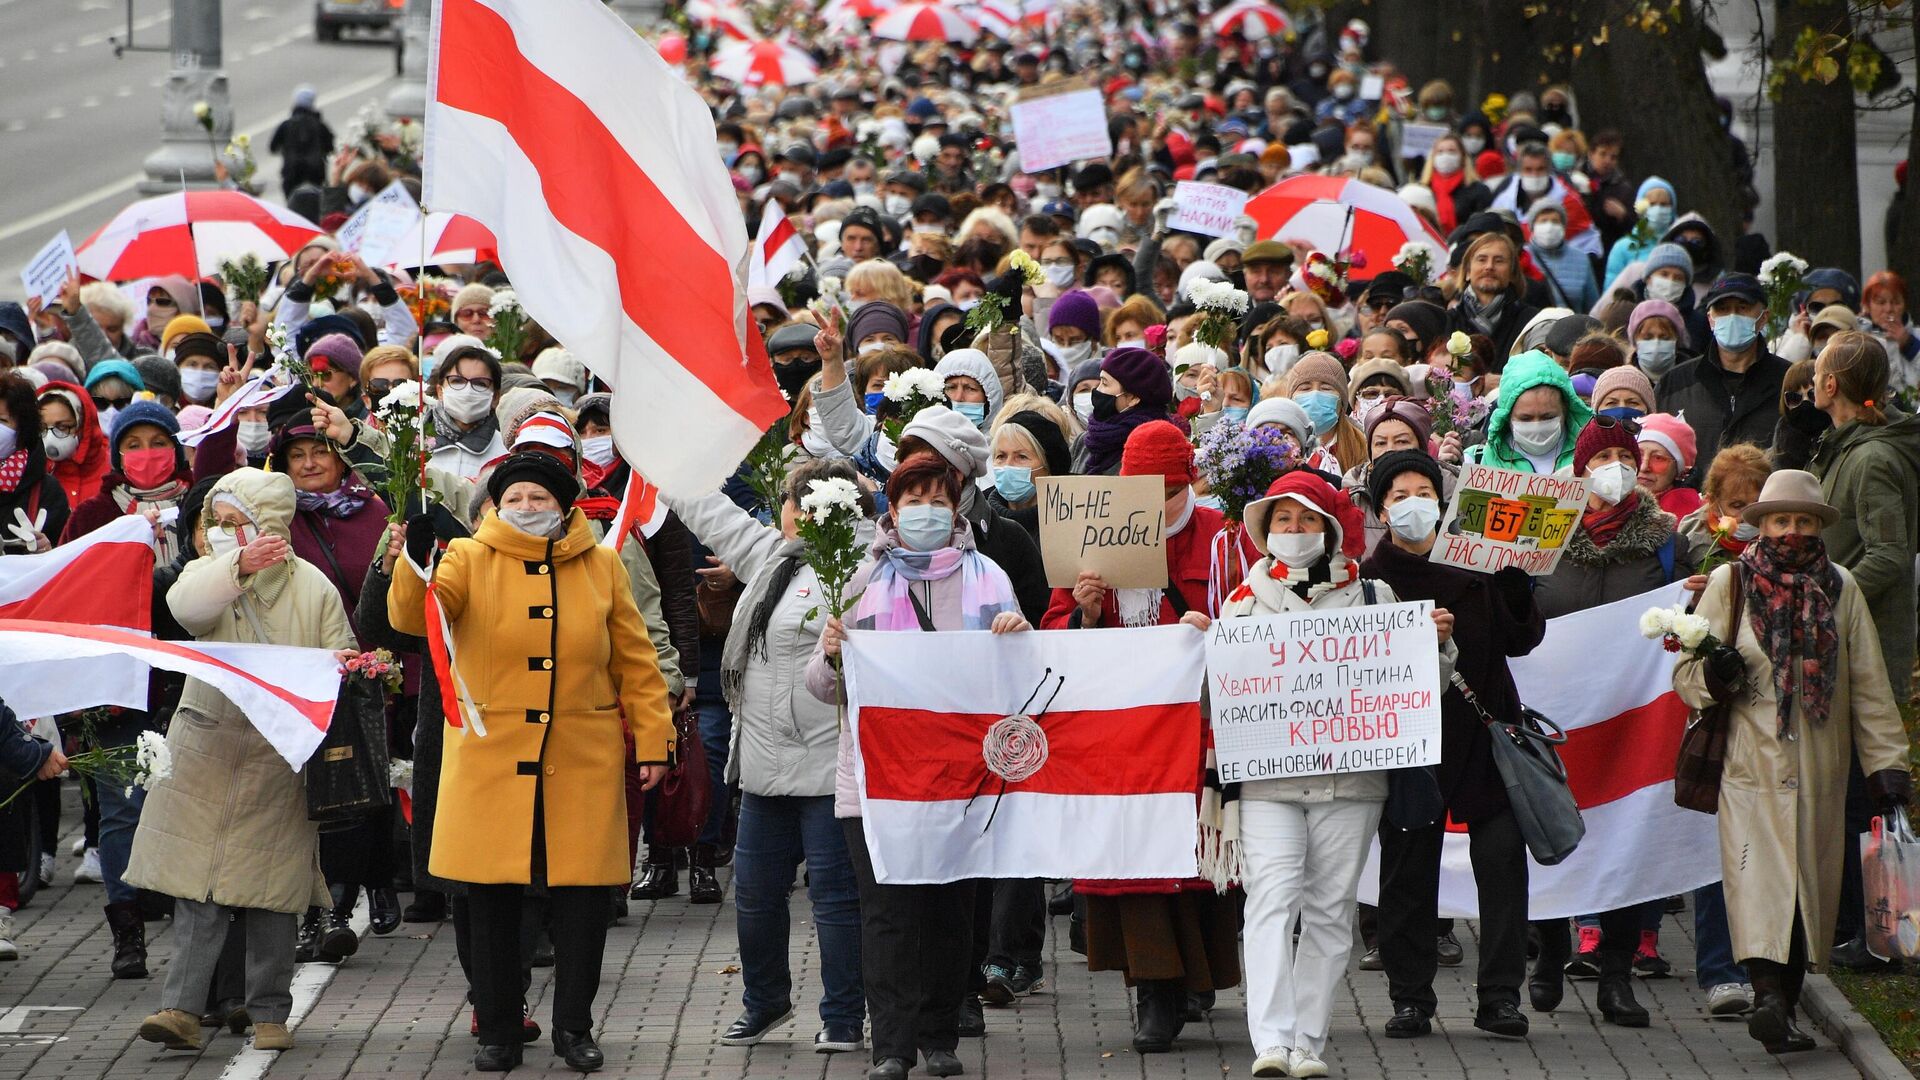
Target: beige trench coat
{"x":230,"y":824}
{"x":1782,"y":801}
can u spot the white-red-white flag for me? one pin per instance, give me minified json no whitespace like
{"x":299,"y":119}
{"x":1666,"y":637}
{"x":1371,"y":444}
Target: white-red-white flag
{"x":256,"y":391}
{"x":776,"y":250}
{"x":1112,"y":791}
{"x":1623,"y":736}
{"x":596,"y":167}
{"x":640,"y":506}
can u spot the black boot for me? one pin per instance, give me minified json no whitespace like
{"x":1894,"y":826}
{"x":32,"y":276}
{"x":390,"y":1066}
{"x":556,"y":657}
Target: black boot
{"x":702,"y":886}
{"x":129,"y":940}
{"x":658,"y":879}
{"x":383,"y":910}
{"x":428,"y":906}
{"x":1775,"y":993}
{"x":338,"y":941}
{"x":1792,"y":978}
{"x":306,"y":948}
{"x":1158,"y":1016}
{"x":1548,"y":983}
{"x":1615,"y":997}
{"x":578,"y":1050}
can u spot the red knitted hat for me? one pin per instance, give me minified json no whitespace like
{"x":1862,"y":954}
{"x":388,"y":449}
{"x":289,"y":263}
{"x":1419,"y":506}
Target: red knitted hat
{"x":1156,"y":448}
{"x":1599,"y":434}
{"x":1306,"y":487}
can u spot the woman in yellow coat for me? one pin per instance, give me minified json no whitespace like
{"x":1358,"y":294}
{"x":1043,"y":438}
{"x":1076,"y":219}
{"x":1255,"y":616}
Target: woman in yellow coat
{"x":554,"y":657}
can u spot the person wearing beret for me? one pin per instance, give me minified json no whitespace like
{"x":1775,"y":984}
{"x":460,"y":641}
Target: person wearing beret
{"x":543,"y":630}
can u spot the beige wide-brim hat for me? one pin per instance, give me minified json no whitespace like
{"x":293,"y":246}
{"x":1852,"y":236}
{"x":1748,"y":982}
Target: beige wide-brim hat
{"x":1790,"y":491}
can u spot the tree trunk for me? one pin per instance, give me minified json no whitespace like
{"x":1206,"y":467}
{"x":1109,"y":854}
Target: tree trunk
{"x":1903,"y":247}
{"x":1815,"y":182}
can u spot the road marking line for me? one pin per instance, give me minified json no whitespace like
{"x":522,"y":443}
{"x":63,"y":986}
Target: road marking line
{"x":107,"y":191}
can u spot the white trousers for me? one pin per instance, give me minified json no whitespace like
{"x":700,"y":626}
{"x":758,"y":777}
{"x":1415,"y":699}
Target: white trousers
{"x":1302,"y":859}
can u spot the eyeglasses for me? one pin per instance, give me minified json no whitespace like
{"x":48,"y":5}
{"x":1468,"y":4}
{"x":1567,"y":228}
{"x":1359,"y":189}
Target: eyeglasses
{"x":162,"y":300}
{"x":104,"y":403}
{"x":1815,"y":307}
{"x":62,"y":429}
{"x":1374,"y":393}
{"x":378,"y":388}
{"x":1044,"y":263}
{"x":1793,"y":397}
{"x":472,"y":313}
{"x":1381,"y":304}
{"x":461,"y":382}
{"x":1604,"y":422}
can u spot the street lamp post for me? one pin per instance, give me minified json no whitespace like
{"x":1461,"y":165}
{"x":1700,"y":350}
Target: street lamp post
{"x":187,"y":148}
{"x":409,"y":98}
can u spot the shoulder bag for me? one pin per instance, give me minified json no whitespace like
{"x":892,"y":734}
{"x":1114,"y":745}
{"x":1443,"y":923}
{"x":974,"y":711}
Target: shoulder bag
{"x":1536,"y":779}
{"x":1703,"y":748}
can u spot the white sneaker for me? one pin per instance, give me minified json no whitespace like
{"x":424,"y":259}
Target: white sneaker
{"x":46,"y":870}
{"x":7,"y":950}
{"x":89,"y":871}
{"x":80,"y":844}
{"x":1272,"y":1061}
{"x":1303,"y":1062}
{"x":1729,"y":1001}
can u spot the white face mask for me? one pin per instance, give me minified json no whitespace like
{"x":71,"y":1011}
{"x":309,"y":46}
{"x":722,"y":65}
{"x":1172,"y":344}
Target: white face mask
{"x":1665,"y":288}
{"x":1068,"y":355}
{"x":1045,"y":193}
{"x":1058,"y":276}
{"x":9,"y":440}
{"x":198,"y":384}
{"x":863,"y":188}
{"x":1281,"y":358}
{"x":873,"y":346}
{"x":751,"y":173}
{"x":1472,"y":144}
{"x":254,"y":436}
{"x":1083,"y":405}
{"x":1446,"y":163}
{"x":1549,"y":235}
{"x":106,"y":416}
{"x":60,"y":447}
{"x":466,"y":404}
{"x":224,"y":538}
{"x":897,"y":205}
{"x":541,"y":523}
{"x":357,"y":194}
{"x":793,"y":178}
{"x":1611,"y":483}
{"x":1297,"y":550}
{"x":1534,"y":185}
{"x":1131,"y":343}
{"x":597,"y":449}
{"x":1537,"y":437}
{"x":1413,"y":519}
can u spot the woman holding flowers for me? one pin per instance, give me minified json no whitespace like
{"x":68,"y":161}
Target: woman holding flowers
{"x":923,"y":573}
{"x":1806,"y":687}
{"x":784,"y":752}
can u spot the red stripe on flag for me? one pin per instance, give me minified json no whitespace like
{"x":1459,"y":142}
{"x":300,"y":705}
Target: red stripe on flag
{"x":108,"y":584}
{"x":672,"y":283}
{"x":317,"y":713}
{"x":440,"y":651}
{"x":916,"y":755}
{"x":782,"y":234}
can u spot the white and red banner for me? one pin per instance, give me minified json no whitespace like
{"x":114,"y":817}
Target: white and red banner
{"x":640,"y":505}
{"x":1109,"y":793}
{"x":104,"y":578}
{"x":258,"y":390}
{"x":776,"y":249}
{"x":1623,"y":724}
{"x":596,"y":167}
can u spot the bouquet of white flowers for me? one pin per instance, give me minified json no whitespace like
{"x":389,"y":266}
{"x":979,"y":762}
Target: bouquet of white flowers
{"x":1783,"y":274}
{"x":1678,"y":630}
{"x":1221,"y":306}
{"x":509,"y":325}
{"x":906,"y":393}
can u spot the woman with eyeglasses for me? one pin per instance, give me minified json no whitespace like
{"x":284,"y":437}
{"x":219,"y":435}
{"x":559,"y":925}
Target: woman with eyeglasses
{"x":76,"y":445}
{"x":1801,"y":424}
{"x":466,"y":433}
{"x":385,"y":367}
{"x":473,"y":310}
{"x":1393,"y":424}
{"x":167,"y":298}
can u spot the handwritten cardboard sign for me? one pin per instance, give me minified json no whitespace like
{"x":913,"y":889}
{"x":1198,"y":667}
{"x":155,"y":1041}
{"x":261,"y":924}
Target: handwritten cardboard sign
{"x":1112,"y":525}
{"x":1206,"y":208}
{"x":47,"y":271}
{"x":1306,"y":693}
{"x":1060,"y":128}
{"x":380,"y":223}
{"x":1500,"y":518}
{"x":1417,"y":139}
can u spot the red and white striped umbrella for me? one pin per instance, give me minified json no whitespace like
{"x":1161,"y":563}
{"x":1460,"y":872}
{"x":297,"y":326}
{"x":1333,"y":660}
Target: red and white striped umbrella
{"x":450,"y":239}
{"x":1253,"y":18}
{"x":764,"y":63}
{"x":926,"y":20}
{"x":722,"y":16}
{"x":1004,"y":17}
{"x":1342,"y":216}
{"x":841,"y":12}
{"x":190,"y":233}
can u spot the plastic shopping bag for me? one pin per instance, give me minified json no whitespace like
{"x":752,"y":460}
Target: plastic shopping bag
{"x":1890,"y":869}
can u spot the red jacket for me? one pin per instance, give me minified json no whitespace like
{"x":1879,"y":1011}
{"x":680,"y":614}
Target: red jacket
{"x":80,"y":475}
{"x":1189,"y":559}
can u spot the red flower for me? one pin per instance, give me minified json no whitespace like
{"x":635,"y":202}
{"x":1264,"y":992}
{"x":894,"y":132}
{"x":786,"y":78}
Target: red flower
{"x":1670,"y":643}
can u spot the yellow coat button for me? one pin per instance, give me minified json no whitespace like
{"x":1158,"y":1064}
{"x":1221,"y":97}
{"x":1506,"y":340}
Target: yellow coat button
{"x":543,"y":718}
{"x":544,"y":568}
{"x":546,"y":612}
{"x":549,"y":770}
{"x":547,"y":664}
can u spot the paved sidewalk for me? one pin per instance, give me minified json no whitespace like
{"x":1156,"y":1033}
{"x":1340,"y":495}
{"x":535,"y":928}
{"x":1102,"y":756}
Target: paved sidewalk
{"x":670,"y":987}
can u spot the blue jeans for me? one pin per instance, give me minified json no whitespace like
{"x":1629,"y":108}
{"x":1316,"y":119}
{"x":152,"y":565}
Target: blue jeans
{"x":1713,"y":959}
{"x":119,"y":817}
{"x":776,"y":832}
{"x":716,"y":730}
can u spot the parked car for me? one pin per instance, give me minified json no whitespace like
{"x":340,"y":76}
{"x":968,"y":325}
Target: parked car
{"x":332,"y":16}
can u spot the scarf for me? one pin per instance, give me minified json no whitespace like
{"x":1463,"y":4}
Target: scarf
{"x":1604,"y":524}
{"x":1484,"y":315}
{"x":1443,"y":187}
{"x":888,"y":604}
{"x":1791,"y":590}
{"x":1107,"y":438}
{"x":1141,"y":607}
{"x":446,"y":431}
{"x":747,"y":637}
{"x":13,"y":468}
{"x":342,"y":502}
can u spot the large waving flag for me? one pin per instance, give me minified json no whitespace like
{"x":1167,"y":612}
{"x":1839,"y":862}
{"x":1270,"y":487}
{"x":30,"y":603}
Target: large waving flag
{"x":776,"y":249}
{"x":1623,"y":734}
{"x":955,"y":784}
{"x":553,"y":124}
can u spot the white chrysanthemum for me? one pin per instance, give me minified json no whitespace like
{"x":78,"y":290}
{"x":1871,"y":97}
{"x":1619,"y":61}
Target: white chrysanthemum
{"x":503,"y":301}
{"x":404,"y":395}
{"x":1656,"y":622}
{"x":1217,"y":296}
{"x":1770,"y":269}
{"x":153,"y":761}
{"x":902,"y":385}
{"x":400,"y":774}
{"x":1690,"y":629}
{"x":826,"y":497}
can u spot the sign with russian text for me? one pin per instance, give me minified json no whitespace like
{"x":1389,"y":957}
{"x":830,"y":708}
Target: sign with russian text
{"x":1112,"y":525}
{"x":1501,"y":518}
{"x":47,"y":271}
{"x":380,"y":223}
{"x":1307,"y":693}
{"x":1209,"y":209}
{"x":1057,"y":129}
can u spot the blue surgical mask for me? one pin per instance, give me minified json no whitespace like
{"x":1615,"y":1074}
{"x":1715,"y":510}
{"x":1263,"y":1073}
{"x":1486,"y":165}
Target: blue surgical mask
{"x":1656,"y":356}
{"x":1013,"y":482}
{"x":1562,"y":161}
{"x":874,"y":399}
{"x":1236,"y":413}
{"x":924,"y":527}
{"x":1659,"y":218}
{"x":975,"y":411}
{"x":1735,"y":332}
{"x":1322,"y":407}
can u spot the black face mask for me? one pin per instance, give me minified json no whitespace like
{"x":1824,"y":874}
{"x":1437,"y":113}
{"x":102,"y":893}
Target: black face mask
{"x":793,"y":377}
{"x":1807,"y":419}
{"x":1105,"y":406}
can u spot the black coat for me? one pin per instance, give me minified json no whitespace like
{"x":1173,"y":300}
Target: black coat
{"x":1015,"y":551}
{"x":1494,"y":618}
{"x":21,"y":756}
{"x":1514,"y":316}
{"x":1724,"y":409}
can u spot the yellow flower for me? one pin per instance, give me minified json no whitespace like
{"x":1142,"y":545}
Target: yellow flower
{"x":1028,"y":269}
{"x":243,"y":140}
{"x":1317,"y":339}
{"x":202,"y":110}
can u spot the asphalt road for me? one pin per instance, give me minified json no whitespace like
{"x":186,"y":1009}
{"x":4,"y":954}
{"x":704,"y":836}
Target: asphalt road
{"x":75,"y":122}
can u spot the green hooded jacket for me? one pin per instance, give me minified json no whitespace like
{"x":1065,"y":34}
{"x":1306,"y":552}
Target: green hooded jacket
{"x":1871,"y":474}
{"x":1523,"y":373}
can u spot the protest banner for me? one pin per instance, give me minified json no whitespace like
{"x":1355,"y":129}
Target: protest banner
{"x":380,"y":222}
{"x":1055,"y":129}
{"x":1501,"y":518}
{"x":1306,"y":693}
{"x":1112,"y":525}
{"x":1417,"y":139}
{"x":1206,"y":208}
{"x":47,"y":271}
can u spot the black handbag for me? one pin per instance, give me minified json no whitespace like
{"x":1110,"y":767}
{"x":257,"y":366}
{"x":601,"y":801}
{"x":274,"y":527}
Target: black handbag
{"x":1536,"y":780}
{"x":1413,"y":798}
{"x":350,"y":775}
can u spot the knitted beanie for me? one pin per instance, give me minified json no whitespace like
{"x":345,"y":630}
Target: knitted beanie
{"x":1141,"y":374}
{"x":1156,"y":448}
{"x":1318,"y":367}
{"x":337,"y":351}
{"x":1601,"y":434}
{"x":1386,"y":467}
{"x":1623,"y":378}
{"x":1079,"y":310}
{"x":1672,"y":434}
